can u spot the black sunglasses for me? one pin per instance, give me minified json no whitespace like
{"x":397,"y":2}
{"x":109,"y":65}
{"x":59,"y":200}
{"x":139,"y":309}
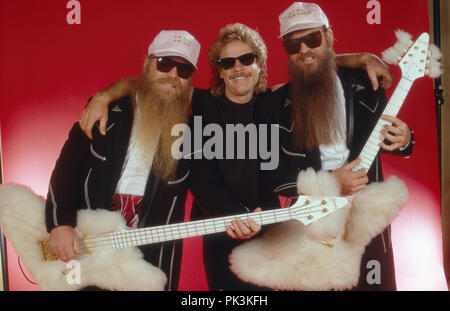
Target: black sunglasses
{"x":244,"y":59}
{"x":313,"y":40}
{"x":166,"y":64}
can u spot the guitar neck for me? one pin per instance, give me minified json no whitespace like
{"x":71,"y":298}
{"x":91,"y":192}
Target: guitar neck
{"x":371,"y":148}
{"x":144,"y":236}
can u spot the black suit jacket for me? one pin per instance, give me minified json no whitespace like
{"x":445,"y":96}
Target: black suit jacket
{"x":86,"y":176}
{"x":363,"y":110}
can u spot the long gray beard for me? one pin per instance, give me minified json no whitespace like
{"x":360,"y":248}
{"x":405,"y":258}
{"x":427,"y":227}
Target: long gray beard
{"x":315,"y":110}
{"x":158,"y":113}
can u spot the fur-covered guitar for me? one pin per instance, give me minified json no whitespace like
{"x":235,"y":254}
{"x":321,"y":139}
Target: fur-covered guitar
{"x":419,"y":60}
{"x":111,"y":259}
{"x":288,"y":256}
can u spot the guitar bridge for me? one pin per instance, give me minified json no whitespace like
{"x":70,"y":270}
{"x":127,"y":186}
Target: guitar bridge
{"x":47,"y":254}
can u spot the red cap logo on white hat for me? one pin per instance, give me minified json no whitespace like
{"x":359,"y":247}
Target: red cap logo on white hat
{"x":176,"y":43}
{"x":301,"y":15}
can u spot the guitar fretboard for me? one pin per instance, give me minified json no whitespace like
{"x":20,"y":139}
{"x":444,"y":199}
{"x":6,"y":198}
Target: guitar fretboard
{"x":371,"y":148}
{"x":306,"y":210}
{"x":164,"y":233}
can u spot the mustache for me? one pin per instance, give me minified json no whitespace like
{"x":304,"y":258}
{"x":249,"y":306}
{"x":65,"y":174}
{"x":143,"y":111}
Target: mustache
{"x":174,"y":82}
{"x":306,"y":55}
{"x":239,"y":74}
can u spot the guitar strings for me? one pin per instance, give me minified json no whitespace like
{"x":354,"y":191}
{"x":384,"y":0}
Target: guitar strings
{"x":144,"y":230}
{"x":149,"y":233}
{"x":106,"y":241}
{"x":209,"y":223}
{"x":392,"y":108}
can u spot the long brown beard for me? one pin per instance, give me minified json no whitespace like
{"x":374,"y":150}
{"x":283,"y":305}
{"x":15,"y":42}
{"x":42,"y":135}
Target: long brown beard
{"x":315,"y":103}
{"x":159,"y":111}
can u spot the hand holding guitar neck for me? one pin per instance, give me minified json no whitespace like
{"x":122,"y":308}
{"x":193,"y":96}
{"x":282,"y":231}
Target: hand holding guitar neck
{"x":241,"y":230}
{"x":351,"y":181}
{"x":398,"y":133}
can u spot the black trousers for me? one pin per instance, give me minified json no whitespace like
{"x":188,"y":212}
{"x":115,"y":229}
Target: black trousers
{"x":377,"y":271}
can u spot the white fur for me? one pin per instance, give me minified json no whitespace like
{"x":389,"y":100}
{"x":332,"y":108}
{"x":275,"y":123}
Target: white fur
{"x":322,"y":184}
{"x":394,"y":54}
{"x":434,"y":65}
{"x":374,"y":209}
{"x":286,"y":258}
{"x":390,"y":56}
{"x":434,"y":53}
{"x":22,"y":219}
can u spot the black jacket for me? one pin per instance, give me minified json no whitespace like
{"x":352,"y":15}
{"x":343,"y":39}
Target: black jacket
{"x":86,"y":176}
{"x":363,"y":109}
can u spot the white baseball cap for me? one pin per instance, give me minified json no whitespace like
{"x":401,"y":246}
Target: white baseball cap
{"x":301,"y":15}
{"x":176,"y":43}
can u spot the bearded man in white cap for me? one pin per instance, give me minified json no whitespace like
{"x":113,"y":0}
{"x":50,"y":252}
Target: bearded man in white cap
{"x":328,"y":114}
{"x":131,"y":168}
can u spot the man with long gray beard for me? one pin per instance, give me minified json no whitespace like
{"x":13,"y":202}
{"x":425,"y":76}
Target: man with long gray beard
{"x":131,"y":169}
{"x":327,"y":114}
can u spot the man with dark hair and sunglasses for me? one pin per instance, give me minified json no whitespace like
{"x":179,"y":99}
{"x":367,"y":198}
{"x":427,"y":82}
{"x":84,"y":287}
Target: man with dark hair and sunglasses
{"x":329,"y":113}
{"x":222,"y":186}
{"x":131,"y":169}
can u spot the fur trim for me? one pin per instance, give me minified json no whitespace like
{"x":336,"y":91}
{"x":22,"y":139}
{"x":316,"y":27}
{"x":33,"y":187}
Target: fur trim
{"x":434,"y":65}
{"x":288,"y":259}
{"x":22,"y":219}
{"x":319,"y":184}
{"x":374,"y":209}
{"x":394,"y":54}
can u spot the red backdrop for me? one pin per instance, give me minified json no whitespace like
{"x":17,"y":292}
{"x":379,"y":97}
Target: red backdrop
{"x":49,"y":68}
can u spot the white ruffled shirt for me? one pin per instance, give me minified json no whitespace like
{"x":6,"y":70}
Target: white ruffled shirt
{"x":335,"y":155}
{"x":137,"y":166}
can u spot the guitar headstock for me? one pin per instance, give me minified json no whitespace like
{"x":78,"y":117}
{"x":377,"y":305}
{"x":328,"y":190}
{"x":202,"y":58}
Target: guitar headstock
{"x":310,"y":209}
{"x":415,"y":59}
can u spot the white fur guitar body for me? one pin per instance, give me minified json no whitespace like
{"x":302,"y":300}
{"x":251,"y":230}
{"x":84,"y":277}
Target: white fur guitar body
{"x":111,"y":260}
{"x":22,"y":219}
{"x":292,"y":256}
